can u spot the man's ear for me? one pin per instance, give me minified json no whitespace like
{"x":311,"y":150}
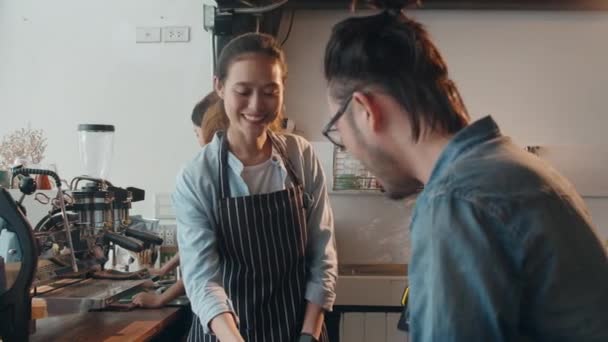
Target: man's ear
{"x":219,"y":87}
{"x":371,"y":108}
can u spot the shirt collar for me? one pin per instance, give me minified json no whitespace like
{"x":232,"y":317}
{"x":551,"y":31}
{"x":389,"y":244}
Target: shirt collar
{"x":234,"y":163}
{"x":474,"y":134}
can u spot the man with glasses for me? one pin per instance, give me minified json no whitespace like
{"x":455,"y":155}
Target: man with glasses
{"x":330,"y":131}
{"x":503,"y":247}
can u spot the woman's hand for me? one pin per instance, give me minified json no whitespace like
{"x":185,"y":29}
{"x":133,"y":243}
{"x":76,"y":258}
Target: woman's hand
{"x":148,"y":300}
{"x":148,"y":283}
{"x":313,"y":320}
{"x":225,"y":329}
{"x":156,"y":272}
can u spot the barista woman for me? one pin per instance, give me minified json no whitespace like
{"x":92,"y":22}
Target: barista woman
{"x":255,"y":229}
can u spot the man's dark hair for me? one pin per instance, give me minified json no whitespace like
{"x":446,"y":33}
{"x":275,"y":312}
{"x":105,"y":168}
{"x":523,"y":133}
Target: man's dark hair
{"x":394,"y":53}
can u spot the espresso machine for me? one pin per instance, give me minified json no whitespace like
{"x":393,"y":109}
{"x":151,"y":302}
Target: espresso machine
{"x":101,"y":205}
{"x":84,"y":226}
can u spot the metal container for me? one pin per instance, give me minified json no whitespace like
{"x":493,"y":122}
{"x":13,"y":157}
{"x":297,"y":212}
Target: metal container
{"x":121,"y":219}
{"x":94,"y":208}
{"x":121,"y":206}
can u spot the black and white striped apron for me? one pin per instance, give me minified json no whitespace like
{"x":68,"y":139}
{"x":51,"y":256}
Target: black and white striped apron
{"x":262,"y":247}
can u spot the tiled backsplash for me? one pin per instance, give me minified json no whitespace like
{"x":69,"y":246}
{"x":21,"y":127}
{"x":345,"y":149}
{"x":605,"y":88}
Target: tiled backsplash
{"x":371,"y":229}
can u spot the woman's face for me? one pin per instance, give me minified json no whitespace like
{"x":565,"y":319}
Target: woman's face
{"x":252,"y":93}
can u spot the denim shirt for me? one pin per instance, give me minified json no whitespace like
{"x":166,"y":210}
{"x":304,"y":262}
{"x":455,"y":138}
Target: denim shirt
{"x":195,"y":200}
{"x":503,"y":249}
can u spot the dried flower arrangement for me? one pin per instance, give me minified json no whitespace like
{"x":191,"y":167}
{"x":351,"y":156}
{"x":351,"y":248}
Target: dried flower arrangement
{"x":25,"y":143}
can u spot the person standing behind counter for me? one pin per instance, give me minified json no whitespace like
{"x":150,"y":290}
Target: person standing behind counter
{"x":503,"y":247}
{"x":153,"y":300}
{"x":207,"y":118}
{"x":255,"y":228}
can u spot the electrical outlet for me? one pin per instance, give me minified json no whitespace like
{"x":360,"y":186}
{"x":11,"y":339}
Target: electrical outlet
{"x":168,"y":233}
{"x":147,"y":35}
{"x":171,"y":238}
{"x":176,"y":34}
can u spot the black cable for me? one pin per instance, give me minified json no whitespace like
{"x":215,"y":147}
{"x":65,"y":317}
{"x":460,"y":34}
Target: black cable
{"x":293,"y":14}
{"x":42,"y":222}
{"x":27,"y":171}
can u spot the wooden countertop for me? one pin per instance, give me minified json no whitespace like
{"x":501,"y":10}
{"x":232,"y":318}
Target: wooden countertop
{"x":399,"y":270}
{"x":108,"y":326}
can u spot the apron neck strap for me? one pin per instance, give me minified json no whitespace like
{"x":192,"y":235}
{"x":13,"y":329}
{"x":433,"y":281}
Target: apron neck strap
{"x":281,"y":147}
{"x":223,"y":166}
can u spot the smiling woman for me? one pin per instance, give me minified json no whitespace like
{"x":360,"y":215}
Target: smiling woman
{"x":252,"y":92}
{"x":255,"y":228}
{"x":252,"y":98}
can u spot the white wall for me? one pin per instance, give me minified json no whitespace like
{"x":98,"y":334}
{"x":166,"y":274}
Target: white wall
{"x":66,"y":62}
{"x":541,"y":75}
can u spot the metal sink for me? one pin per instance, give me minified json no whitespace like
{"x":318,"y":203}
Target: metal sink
{"x":399,"y":270}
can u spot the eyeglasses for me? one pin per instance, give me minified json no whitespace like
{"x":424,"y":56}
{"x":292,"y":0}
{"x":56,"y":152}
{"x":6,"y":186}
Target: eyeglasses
{"x":330,"y":131}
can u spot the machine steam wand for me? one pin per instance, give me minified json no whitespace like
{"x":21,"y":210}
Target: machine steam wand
{"x":66,"y":223}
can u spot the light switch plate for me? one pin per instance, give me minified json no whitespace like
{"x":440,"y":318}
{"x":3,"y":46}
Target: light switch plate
{"x":147,"y":35}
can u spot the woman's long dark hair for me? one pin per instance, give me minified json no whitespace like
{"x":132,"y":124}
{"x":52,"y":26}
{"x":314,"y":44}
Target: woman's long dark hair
{"x":246,"y":44}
